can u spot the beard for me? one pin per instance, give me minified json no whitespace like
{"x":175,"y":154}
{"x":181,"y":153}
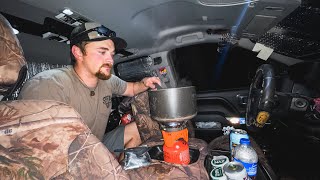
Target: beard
{"x":103,"y":76}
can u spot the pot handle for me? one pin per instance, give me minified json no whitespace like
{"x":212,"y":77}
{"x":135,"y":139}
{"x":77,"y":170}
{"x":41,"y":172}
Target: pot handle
{"x":158,"y":86}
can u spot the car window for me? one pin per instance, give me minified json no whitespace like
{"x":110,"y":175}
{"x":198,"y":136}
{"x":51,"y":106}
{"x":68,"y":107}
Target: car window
{"x":33,"y":69}
{"x":207,"y":69}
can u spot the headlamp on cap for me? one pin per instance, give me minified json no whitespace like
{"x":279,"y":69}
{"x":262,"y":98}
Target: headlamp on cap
{"x":91,"y":31}
{"x":101,"y":31}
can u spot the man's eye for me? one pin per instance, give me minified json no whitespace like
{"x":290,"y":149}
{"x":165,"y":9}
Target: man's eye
{"x":102,"y":52}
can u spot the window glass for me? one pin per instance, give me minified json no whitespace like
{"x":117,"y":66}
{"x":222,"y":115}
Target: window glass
{"x":207,"y":69}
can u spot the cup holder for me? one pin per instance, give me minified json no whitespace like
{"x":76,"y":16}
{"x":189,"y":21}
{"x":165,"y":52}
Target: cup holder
{"x":156,"y":152}
{"x":211,"y":153}
{"x":262,"y":173}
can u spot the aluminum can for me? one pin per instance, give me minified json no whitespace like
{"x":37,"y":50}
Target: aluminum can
{"x":235,"y":136}
{"x":217,"y":174}
{"x":235,"y":171}
{"x":219,"y":161}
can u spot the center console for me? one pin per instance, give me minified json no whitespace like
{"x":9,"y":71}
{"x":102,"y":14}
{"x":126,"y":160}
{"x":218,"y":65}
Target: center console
{"x":199,"y":167}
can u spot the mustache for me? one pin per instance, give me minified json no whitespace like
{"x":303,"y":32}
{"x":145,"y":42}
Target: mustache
{"x":108,"y":65}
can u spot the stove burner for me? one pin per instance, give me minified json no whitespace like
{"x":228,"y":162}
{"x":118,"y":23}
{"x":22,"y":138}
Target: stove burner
{"x":173,"y":126}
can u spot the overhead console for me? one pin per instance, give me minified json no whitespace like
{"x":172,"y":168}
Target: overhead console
{"x":209,"y":19}
{"x":153,"y":65}
{"x":249,"y":18}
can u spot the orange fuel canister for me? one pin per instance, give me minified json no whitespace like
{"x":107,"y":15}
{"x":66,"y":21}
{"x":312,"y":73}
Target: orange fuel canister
{"x":178,"y":153}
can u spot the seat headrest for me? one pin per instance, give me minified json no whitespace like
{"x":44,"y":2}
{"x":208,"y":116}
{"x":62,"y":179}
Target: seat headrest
{"x":13,"y":67}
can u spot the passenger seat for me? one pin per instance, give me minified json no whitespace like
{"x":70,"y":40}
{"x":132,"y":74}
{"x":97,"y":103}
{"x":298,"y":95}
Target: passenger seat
{"x":44,"y":139}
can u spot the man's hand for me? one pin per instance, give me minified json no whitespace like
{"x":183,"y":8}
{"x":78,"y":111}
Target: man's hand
{"x":143,"y":85}
{"x":150,"y":82}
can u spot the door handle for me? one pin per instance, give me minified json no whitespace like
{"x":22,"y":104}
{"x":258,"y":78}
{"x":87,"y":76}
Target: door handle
{"x":242,"y":100}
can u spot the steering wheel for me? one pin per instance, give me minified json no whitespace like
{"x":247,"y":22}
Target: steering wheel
{"x":261,"y":100}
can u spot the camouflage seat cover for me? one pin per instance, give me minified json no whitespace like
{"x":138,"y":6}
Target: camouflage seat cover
{"x":48,"y":140}
{"x":12,"y":62}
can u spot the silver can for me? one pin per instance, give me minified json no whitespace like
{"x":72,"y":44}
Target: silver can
{"x":219,"y":161}
{"x":234,"y":171}
{"x":235,"y":136}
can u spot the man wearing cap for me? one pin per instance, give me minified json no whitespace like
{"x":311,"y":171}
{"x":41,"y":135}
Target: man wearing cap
{"x":88,"y":84}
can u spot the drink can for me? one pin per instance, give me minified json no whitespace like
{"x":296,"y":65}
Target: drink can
{"x":217,"y":174}
{"x":219,"y":161}
{"x":235,"y":136}
{"x":234,"y":171}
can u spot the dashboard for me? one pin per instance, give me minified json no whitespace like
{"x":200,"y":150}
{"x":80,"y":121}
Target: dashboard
{"x":153,"y":65}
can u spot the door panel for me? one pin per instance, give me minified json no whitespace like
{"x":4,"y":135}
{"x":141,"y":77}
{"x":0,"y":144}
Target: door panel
{"x":214,"y":110}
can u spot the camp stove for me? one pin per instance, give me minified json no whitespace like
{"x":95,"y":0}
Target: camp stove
{"x":175,"y":147}
{"x":172,"y":108}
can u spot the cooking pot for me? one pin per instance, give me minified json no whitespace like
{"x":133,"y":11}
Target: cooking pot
{"x":173,"y":104}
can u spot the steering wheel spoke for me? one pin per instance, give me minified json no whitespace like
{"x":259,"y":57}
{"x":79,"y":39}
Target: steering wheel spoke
{"x":261,"y":97}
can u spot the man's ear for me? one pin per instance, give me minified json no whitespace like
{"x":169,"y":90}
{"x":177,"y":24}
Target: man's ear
{"x":76,"y":51}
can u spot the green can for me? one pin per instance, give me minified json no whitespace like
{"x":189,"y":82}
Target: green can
{"x":217,"y":174}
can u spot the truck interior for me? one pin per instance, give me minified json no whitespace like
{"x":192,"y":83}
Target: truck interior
{"x":243,"y":57}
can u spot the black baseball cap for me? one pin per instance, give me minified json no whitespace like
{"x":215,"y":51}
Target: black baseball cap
{"x":92,"y":31}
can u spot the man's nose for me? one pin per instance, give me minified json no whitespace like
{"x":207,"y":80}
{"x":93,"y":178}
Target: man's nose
{"x":108,"y":58}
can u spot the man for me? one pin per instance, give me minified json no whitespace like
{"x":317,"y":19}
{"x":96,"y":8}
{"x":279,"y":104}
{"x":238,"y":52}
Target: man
{"x":88,"y":85}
